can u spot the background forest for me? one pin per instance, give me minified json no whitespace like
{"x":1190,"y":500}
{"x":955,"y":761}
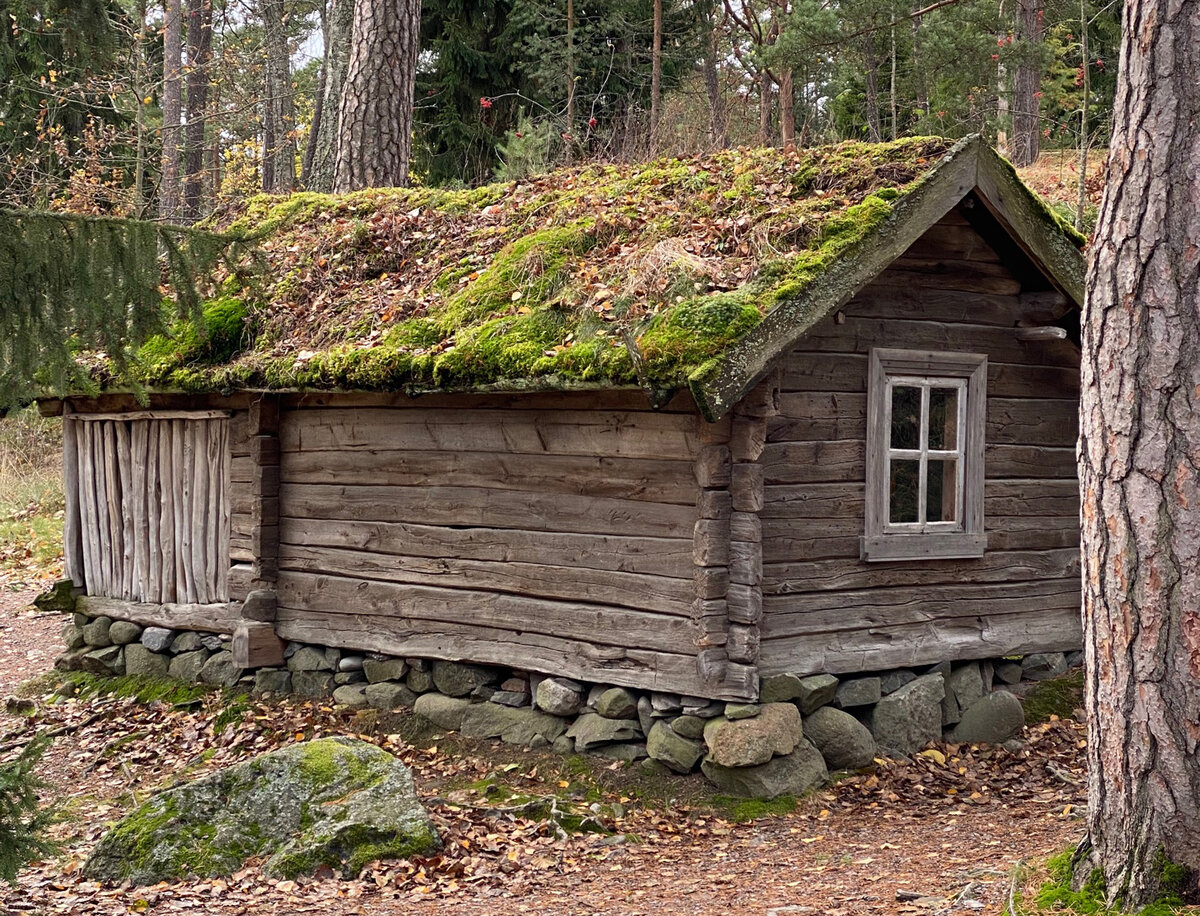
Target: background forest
{"x":138,"y":108}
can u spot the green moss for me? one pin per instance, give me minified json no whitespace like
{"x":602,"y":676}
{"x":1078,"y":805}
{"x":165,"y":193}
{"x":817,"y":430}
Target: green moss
{"x":327,"y":762}
{"x":1058,"y":896}
{"x":225,"y":333}
{"x":741,"y":810}
{"x":141,"y":688}
{"x":1059,"y":696}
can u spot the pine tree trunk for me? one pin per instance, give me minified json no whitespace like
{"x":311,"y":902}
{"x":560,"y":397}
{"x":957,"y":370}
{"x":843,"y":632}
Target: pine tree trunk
{"x":718,"y":124}
{"x":376,"y":113}
{"x":656,"y":77}
{"x":199,"y":44}
{"x":1027,"y":81}
{"x":339,"y":23}
{"x":871,"y":90}
{"x":766,"y":90}
{"x":1139,"y":470}
{"x":140,"y":91}
{"x":787,"y":108}
{"x":279,"y":110}
{"x":172,"y":110}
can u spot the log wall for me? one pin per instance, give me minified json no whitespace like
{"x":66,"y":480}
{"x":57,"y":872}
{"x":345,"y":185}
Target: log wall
{"x":825,"y":610}
{"x":558,"y":538}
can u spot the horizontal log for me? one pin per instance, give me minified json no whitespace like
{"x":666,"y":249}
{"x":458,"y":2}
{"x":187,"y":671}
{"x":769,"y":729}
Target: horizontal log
{"x":710,"y":545}
{"x":834,"y":612}
{"x":948,"y":241}
{"x":594,"y":475}
{"x":748,"y":437}
{"x":211,"y":618}
{"x":745,"y":563}
{"x":1001,"y":461}
{"x":712,"y":467}
{"x":482,"y":507}
{"x":632,"y":398}
{"x":744,"y":604}
{"x":416,"y":606}
{"x":814,"y":462}
{"x":742,"y":643}
{"x":970,"y":277}
{"x":622,"y":434}
{"x":860,"y":335}
{"x":151,"y":415}
{"x":711,"y":582}
{"x":745,"y":526}
{"x":1026,"y":421}
{"x":240,"y":576}
{"x":878,"y":649}
{"x":656,"y":594}
{"x":746,"y":487}
{"x":649,"y":556}
{"x":255,"y":645}
{"x":802,"y":578}
{"x":715,"y":504}
{"x":809,"y":370}
{"x":241,"y":470}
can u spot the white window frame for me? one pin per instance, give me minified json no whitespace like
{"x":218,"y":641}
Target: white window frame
{"x":963,"y":537}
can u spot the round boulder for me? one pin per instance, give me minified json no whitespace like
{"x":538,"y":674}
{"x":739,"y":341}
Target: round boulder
{"x":844,"y":742}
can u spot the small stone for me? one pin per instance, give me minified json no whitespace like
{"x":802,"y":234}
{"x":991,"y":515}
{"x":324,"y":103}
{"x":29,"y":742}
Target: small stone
{"x":419,"y":680}
{"x":616,"y":703}
{"x":591,"y":730}
{"x":352,"y":695}
{"x":559,"y":696}
{"x":537,"y":742}
{"x":964,"y":685}
{"x":186,"y":666}
{"x":861,"y":691}
{"x":779,"y":688}
{"x":510,"y":698}
{"x":272,"y":680}
{"x":894,"y":680}
{"x":688,"y":726}
{"x":482,"y":693}
{"x":844,"y":742}
{"x":333,"y":657}
{"x":666,"y":703}
{"x":456,"y":679}
{"x":735,"y":711}
{"x":705,"y":711}
{"x":291,"y":649}
{"x":627,"y":752}
{"x":942,"y":668}
{"x":911,"y":717}
{"x":386,"y":695}
{"x":347,"y":678}
{"x":774,"y":732}
{"x":418,"y":664}
{"x":992,"y":719}
{"x":792,"y":774}
{"x":313,"y":684}
{"x":211,"y":641}
{"x":71,"y":660}
{"x":593,"y":695}
{"x":512,"y":726}
{"x":80,"y":619}
{"x":677,"y":752}
{"x":987,"y":672}
{"x":59,"y":599}
{"x":350,"y":663}
{"x":653,"y":767}
{"x":1075,"y":659}
{"x":816,"y":690}
{"x":1008,"y":672}
{"x":142,"y":662}
{"x":309,"y":658}
{"x":95,"y":634}
{"x":645,"y":714}
{"x":378,"y":670}
{"x":157,"y":639}
{"x":515,"y":685}
{"x":73,"y":636}
{"x":220,"y":670}
{"x":563,"y":745}
{"x":107,"y":660}
{"x":187,"y":641}
{"x":123,"y":632}
{"x":443,"y":711}
{"x":1043,"y":666}
{"x":1013,"y":745}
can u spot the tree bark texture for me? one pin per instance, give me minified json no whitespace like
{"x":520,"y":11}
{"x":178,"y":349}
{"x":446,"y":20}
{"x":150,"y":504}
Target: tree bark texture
{"x":1027,"y":81}
{"x":718,"y":124}
{"x":321,"y":156}
{"x":376,"y":112}
{"x":172,"y":110}
{"x":199,"y":48}
{"x":279,"y":108}
{"x":656,"y":77}
{"x":1139,"y":464}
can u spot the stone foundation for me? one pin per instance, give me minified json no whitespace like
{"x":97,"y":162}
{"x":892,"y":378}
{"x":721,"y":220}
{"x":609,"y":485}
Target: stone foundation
{"x":802,"y":728}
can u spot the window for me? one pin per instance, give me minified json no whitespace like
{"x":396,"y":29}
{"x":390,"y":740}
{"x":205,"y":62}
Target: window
{"x":925,"y":419}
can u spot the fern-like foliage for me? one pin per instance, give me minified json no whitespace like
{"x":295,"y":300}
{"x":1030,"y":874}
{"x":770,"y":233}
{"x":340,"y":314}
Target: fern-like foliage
{"x":22,"y":821}
{"x":72,"y":285}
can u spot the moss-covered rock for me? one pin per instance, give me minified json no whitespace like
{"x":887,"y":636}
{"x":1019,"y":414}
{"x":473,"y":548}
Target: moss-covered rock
{"x":335,"y":801}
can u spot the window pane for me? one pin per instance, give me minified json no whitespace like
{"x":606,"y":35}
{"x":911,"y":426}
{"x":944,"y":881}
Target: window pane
{"x":940,"y":491}
{"x":906,"y":417}
{"x":904,"y":491}
{"x":943,"y":418}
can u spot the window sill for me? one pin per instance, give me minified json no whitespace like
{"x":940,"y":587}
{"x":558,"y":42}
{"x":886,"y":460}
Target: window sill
{"x":954,"y":546}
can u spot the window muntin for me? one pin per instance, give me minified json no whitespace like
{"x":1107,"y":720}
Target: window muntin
{"x":926,"y":428}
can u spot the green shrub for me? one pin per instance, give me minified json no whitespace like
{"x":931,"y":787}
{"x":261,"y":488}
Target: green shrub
{"x":22,"y":822}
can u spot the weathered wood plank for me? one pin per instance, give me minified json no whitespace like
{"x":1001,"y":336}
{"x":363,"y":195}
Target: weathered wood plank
{"x":166,"y":517}
{"x":1002,"y":461}
{"x":959,"y":242}
{"x":255,"y":645}
{"x":742,"y":643}
{"x":710,"y":546}
{"x":617,"y":433}
{"x":814,"y":462}
{"x":223,"y":514}
{"x":112,"y":510}
{"x":746,"y":487}
{"x":480,"y":507}
{"x":203,"y":566}
{"x":646,"y":479}
{"x":211,"y":618}
{"x":89,"y":515}
{"x":639,"y":555}
{"x":73,"y":551}
{"x":154,"y":561}
{"x":240,"y":576}
{"x":1053,"y":422}
{"x":802,"y":578}
{"x":631,"y":399}
{"x":416,"y":606}
{"x":130,"y":415}
{"x":810,"y":370}
{"x":712,"y":467}
{"x":129,"y":497}
{"x":748,"y":437}
{"x":656,"y":594}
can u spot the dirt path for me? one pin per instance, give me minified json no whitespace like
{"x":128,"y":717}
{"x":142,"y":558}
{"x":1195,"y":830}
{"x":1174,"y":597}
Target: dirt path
{"x":934,"y":835}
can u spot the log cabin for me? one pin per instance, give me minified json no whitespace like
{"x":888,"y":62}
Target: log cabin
{"x":675,"y":427}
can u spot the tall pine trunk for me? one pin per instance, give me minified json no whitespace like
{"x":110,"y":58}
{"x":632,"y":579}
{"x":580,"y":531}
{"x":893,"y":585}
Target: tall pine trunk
{"x":169,"y":187}
{"x":279,"y":110}
{"x":656,"y":77}
{"x":1024,"y":143}
{"x":321,"y":155}
{"x":1139,"y":465}
{"x":376,"y":112}
{"x":199,"y":47}
{"x":718,"y":116}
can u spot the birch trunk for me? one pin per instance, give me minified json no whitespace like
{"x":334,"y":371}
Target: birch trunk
{"x":1140,"y":465}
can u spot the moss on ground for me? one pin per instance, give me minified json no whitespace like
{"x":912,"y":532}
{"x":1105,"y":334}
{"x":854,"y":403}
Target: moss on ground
{"x":1060,"y":696}
{"x":741,"y":810}
{"x":1058,"y":896}
{"x":141,"y":688}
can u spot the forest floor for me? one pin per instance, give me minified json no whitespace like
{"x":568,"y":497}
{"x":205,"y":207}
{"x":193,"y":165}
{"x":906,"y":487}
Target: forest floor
{"x":945,"y":831}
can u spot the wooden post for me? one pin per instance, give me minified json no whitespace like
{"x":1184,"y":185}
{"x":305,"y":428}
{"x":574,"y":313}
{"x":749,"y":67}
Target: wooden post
{"x":264,"y":490}
{"x":72,"y":528}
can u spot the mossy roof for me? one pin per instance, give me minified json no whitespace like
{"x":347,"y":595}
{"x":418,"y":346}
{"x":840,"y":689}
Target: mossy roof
{"x":658,"y":275}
